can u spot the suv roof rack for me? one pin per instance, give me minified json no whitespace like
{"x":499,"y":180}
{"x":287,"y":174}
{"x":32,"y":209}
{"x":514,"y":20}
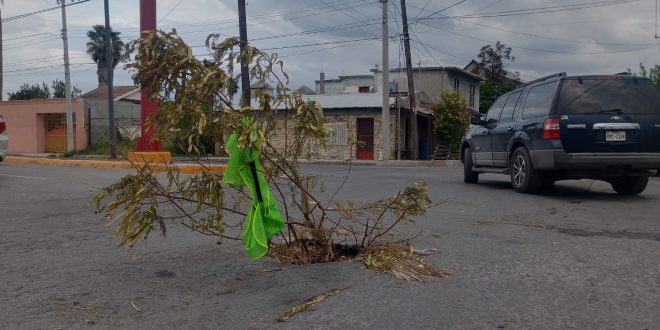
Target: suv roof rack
{"x":560,"y":74}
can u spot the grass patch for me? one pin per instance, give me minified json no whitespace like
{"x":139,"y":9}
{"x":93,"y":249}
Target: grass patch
{"x":103,"y":149}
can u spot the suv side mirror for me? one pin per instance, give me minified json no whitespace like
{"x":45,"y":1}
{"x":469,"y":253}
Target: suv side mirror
{"x":479,"y":121}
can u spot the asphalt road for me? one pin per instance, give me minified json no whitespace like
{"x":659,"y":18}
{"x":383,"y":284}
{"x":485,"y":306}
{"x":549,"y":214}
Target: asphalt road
{"x":577,"y":257}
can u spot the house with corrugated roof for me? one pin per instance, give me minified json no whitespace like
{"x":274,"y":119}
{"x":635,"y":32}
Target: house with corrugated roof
{"x":127,"y":113}
{"x":352,"y":106}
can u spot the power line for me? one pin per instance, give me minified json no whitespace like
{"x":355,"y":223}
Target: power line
{"x":181,"y":28}
{"x":546,"y":37}
{"x":553,"y":38}
{"x":321,"y":30}
{"x":357,"y":44}
{"x":488,"y":6}
{"x":29,"y":36}
{"x":540,"y":10}
{"x":539,"y":36}
{"x":440,"y":51}
{"x":12,"y":18}
{"x":43,"y":67}
{"x":321,"y":43}
{"x":425,"y":49}
{"x":423,"y":9}
{"x":171,"y":10}
{"x":340,"y":11}
{"x":443,"y":9}
{"x":307,"y":45}
{"x":39,"y":41}
{"x":259,"y":20}
{"x":535,"y":49}
{"x":42,"y":60}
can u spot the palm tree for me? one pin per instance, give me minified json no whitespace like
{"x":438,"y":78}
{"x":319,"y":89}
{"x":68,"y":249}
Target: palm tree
{"x":96,"y":48}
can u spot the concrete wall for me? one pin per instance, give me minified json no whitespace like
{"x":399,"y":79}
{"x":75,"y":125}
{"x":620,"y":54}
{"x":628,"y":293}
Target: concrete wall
{"x":25,"y":123}
{"x":345,"y":84}
{"x":348,"y":151}
{"x":464,"y":88}
{"x":127,"y":116}
{"x":432,"y":84}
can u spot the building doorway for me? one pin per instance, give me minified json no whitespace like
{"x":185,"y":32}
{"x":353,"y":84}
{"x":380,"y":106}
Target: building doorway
{"x":365,"y":138}
{"x":55,"y":132}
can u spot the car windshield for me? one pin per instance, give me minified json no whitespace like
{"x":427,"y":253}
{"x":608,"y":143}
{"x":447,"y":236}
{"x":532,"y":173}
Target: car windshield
{"x":608,"y":95}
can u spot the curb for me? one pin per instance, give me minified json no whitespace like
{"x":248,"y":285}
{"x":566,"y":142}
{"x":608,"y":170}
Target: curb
{"x":118,"y":165}
{"x":216,"y":165}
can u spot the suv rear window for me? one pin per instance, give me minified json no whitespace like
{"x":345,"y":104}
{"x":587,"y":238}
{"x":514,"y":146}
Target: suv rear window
{"x":608,"y":95}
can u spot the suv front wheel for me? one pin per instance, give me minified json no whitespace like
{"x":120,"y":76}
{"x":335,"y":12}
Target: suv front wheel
{"x":524,"y":178}
{"x":469,"y":176}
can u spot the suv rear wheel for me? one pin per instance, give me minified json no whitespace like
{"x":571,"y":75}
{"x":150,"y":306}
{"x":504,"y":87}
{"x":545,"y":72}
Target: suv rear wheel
{"x":630,"y":185}
{"x":524,"y":178}
{"x":469,"y":176}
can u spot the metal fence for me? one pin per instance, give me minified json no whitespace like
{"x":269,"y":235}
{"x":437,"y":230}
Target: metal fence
{"x":99,"y":132}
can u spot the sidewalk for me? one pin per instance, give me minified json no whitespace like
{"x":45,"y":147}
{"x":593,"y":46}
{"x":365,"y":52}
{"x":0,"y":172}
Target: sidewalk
{"x":186,"y":165}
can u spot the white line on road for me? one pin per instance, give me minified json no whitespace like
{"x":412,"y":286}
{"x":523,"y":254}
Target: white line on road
{"x":27,"y":177}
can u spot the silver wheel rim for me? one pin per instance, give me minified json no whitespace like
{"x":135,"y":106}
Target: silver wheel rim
{"x":519,"y":170}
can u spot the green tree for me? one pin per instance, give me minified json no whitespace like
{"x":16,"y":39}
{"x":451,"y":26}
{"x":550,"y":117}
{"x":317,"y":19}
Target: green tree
{"x":491,"y":61}
{"x":29,"y":92}
{"x":489,"y":92}
{"x":653,"y":73}
{"x":59,"y":89}
{"x":96,"y":48}
{"x":451,"y":119}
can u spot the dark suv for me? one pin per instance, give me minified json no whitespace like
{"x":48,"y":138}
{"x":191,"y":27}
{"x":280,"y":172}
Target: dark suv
{"x":560,"y":127}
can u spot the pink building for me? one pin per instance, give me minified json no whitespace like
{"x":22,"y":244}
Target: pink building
{"x":39,"y":126}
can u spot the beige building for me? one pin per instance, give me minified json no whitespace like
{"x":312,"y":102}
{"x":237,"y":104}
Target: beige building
{"x":357,"y":117}
{"x":431,"y":82}
{"x":353,"y":105}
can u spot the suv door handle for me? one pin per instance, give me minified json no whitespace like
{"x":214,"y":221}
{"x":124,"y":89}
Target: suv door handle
{"x":510,"y":129}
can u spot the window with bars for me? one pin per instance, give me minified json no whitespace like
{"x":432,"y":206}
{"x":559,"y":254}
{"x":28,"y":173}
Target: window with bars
{"x":338,"y":134}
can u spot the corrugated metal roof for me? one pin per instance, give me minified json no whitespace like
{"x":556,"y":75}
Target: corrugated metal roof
{"x":355,"y":101}
{"x":344,"y":101}
{"x":102,"y":92}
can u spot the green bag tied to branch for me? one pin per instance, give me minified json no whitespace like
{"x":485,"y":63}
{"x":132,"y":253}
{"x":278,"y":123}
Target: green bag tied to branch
{"x":264,"y":219}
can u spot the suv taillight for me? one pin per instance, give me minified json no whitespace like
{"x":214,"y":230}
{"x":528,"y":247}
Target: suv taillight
{"x":3,"y":126}
{"x":551,"y":129}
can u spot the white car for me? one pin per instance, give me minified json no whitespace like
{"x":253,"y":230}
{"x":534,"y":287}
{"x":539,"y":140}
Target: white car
{"x":4,"y":139}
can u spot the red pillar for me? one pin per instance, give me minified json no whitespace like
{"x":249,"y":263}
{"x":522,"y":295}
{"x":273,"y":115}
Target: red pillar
{"x":148,"y":104}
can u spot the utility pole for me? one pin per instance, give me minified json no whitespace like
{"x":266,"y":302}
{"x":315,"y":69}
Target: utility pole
{"x":108,"y":64}
{"x":245,"y":69}
{"x":385,"y":116}
{"x":414,"y":152}
{"x":67,"y":81}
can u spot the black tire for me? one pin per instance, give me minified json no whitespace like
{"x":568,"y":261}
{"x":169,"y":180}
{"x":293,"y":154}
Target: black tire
{"x":469,"y":176}
{"x":548,"y":184}
{"x":524,"y":178}
{"x":630,"y":185}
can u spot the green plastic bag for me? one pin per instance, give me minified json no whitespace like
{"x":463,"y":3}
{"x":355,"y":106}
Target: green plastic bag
{"x":264,"y":219}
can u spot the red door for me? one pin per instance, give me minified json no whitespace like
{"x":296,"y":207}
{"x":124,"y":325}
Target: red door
{"x":365,"y":138}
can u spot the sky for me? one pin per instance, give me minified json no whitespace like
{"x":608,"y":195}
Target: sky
{"x":573,"y":36}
